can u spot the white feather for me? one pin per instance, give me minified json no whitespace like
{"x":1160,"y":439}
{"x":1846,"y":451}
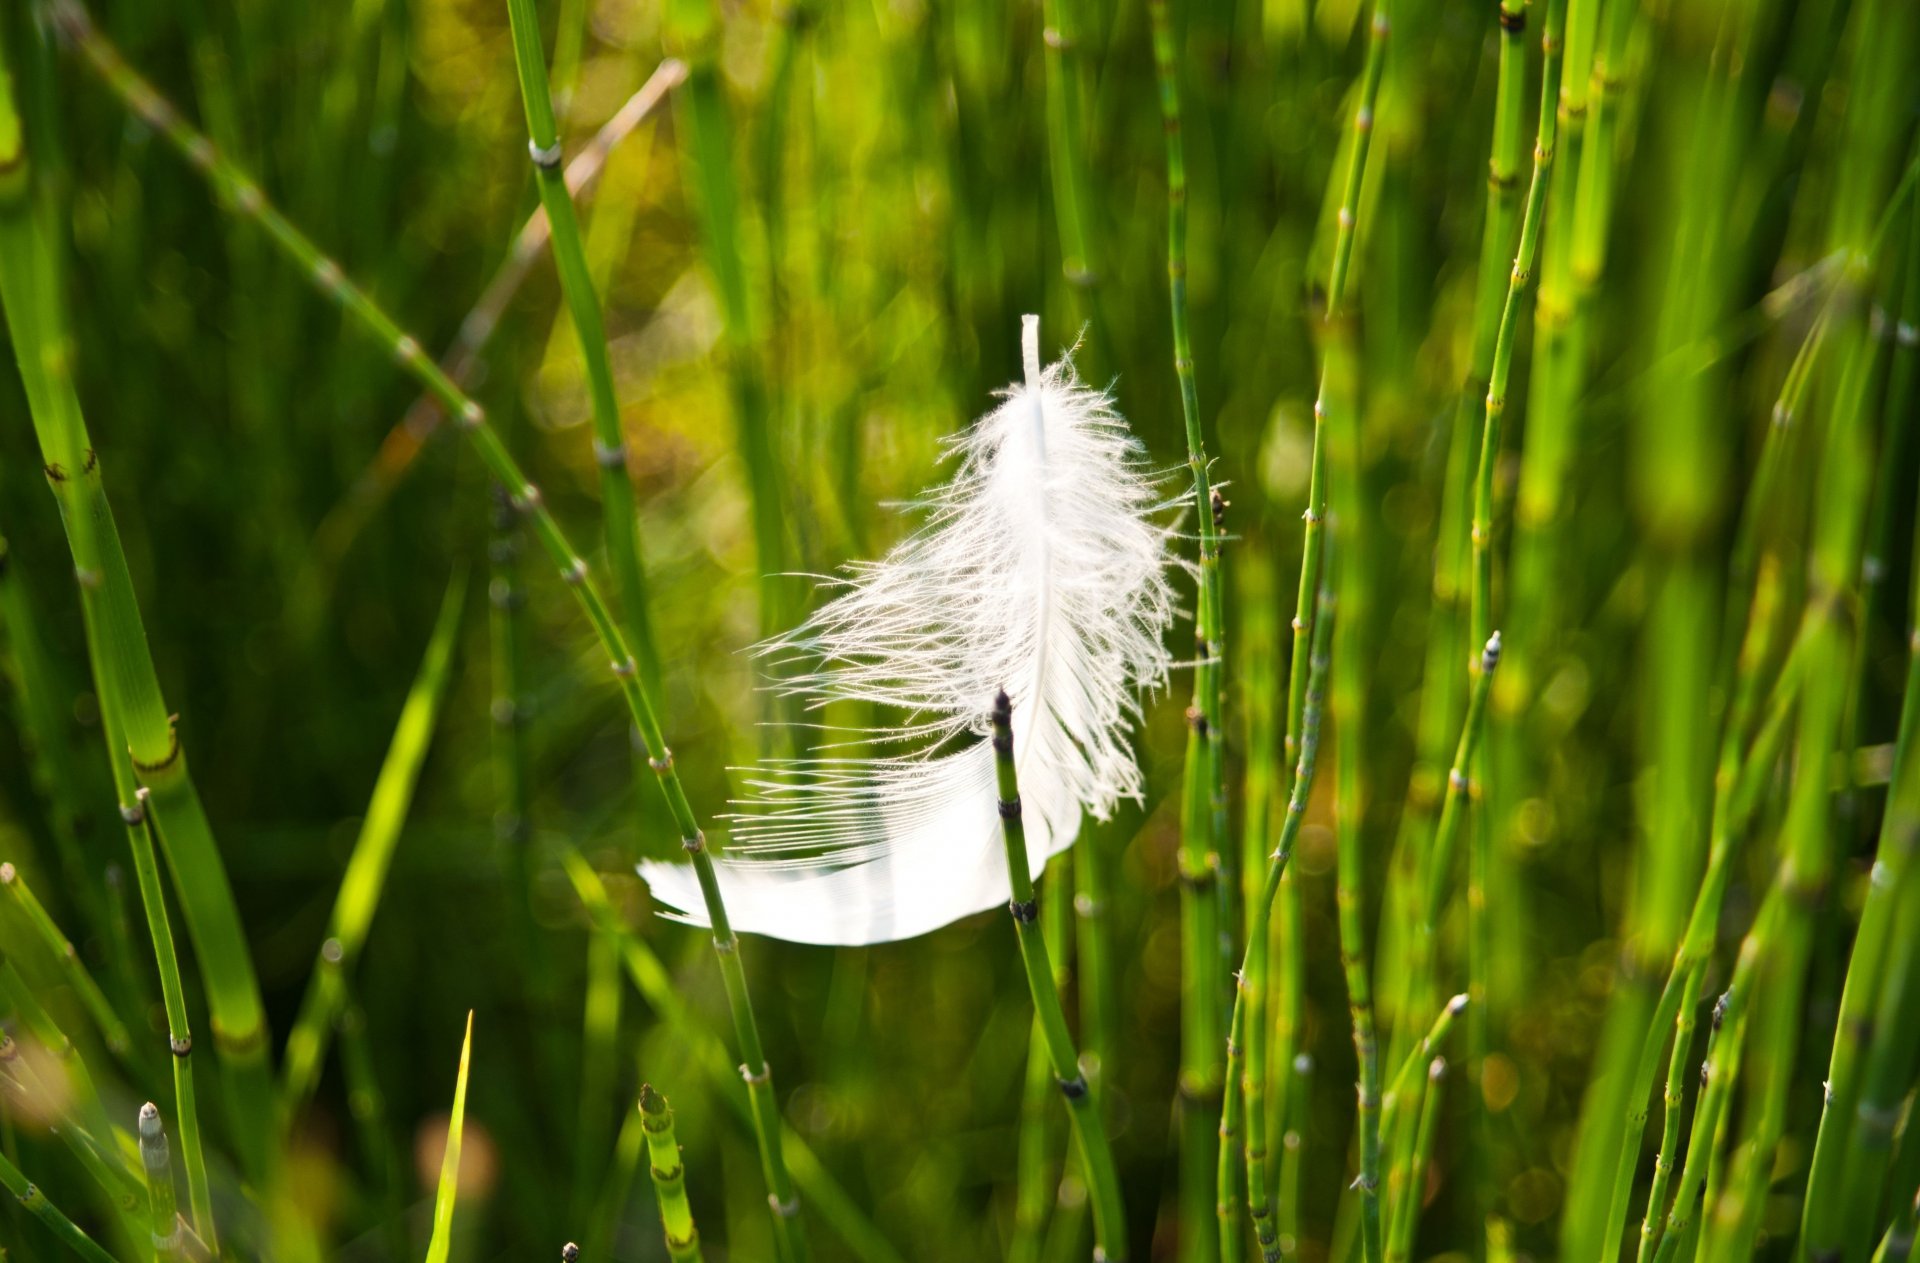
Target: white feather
{"x":1041,"y":570}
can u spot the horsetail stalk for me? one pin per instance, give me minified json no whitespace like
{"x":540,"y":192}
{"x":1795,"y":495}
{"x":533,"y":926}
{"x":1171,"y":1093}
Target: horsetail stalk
{"x":1447,"y":642}
{"x":1096,"y":1156}
{"x":168,"y":1239}
{"x":34,"y":1201}
{"x":1035,"y":1183}
{"x":1066,"y":98}
{"x":1203,"y":820}
{"x":1480,"y":859}
{"x":619,"y":516}
{"x":1737,"y":780}
{"x":146,"y":870}
{"x":1396,"y":1091}
{"x":1406,"y":1212}
{"x":1246,"y":1043}
{"x":142,"y":740}
{"x":1717,"y":1073}
{"x":669,"y":1177}
{"x":1422,"y":972}
{"x":112,"y":1030}
{"x":1671,"y":1103}
{"x":247,"y":199}
{"x":1309,"y":594}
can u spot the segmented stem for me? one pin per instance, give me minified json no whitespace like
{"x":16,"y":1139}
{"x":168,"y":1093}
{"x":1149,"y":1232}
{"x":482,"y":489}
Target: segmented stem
{"x":1241,"y":1043}
{"x":669,"y":1177}
{"x":1203,"y":821}
{"x":1096,"y":1156}
{"x":246,"y":198}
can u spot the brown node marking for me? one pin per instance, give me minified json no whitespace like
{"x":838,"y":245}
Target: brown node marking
{"x":172,"y":755}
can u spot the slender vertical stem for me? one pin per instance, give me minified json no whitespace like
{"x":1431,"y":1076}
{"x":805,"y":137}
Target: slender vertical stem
{"x":146,"y":870}
{"x":1406,"y":1215}
{"x":1481,"y":606}
{"x":141,"y":740}
{"x":618,"y":513}
{"x":247,"y":199}
{"x":168,"y":1239}
{"x":112,"y":1030}
{"x":1242,"y":1060}
{"x":1204,"y":817}
{"x":1035,"y":1179}
{"x":1671,"y":1104}
{"x":669,"y":1177}
{"x":34,"y":1200}
{"x":1096,"y":1157}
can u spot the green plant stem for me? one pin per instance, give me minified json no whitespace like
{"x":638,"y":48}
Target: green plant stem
{"x":1073,"y":209}
{"x":1203,"y":821}
{"x":669,"y":1177}
{"x":1737,"y":782}
{"x":168,"y":1239}
{"x":618,"y":513}
{"x":1443,"y":685}
{"x":35,"y":1201}
{"x":141,"y":735}
{"x":1096,"y":1156}
{"x":1243,"y":1045}
{"x":1480,"y":858}
{"x":112,"y":1030}
{"x":656,"y":985}
{"x":1670,"y":1106}
{"x":365,"y":877}
{"x":247,"y":199}
{"x":1035,"y":1179}
{"x":146,"y":870}
{"x":1406,"y":1215}
{"x":1722,"y":1062}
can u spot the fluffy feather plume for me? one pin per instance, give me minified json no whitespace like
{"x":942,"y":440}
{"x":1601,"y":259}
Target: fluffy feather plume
{"x":1041,"y":570}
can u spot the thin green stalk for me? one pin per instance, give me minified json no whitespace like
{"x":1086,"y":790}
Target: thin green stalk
{"x":365,"y":877}
{"x":168,"y":1239}
{"x":705,"y":135}
{"x":657,"y":986}
{"x":1737,"y":782}
{"x":1886,"y":1069}
{"x":42,"y":721}
{"x":1035,"y":1179}
{"x":1395,"y":1095}
{"x":599,"y":1039}
{"x":1717,"y":1074}
{"x":617,"y":1187}
{"x":669,"y":1177}
{"x":1203,"y":819}
{"x":35,"y":1201}
{"x":1312,"y":548}
{"x":1243,"y":1060}
{"x":1443,"y":686}
{"x":447,"y":1192}
{"x":1072,"y":198}
{"x":247,"y":199}
{"x":1096,"y":1157}
{"x":1480,"y":858}
{"x":1406,"y":1215}
{"x":1073,"y":206}
{"x":125,"y":679}
{"x":186,"y":1115}
{"x":1422,"y":973}
{"x":619,"y":516}
{"x":1679,"y":1063}
{"x":464,"y":356}
{"x":367,"y":1106}
{"x":112,"y":1030}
